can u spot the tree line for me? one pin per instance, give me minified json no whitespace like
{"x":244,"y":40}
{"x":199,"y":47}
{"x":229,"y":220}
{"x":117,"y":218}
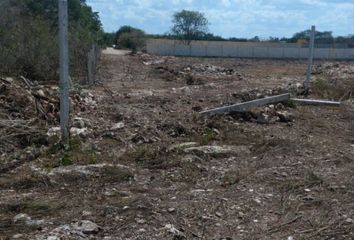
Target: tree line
{"x":29,"y":37}
{"x":193,"y":25}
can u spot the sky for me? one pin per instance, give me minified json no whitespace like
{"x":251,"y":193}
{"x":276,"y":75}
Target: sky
{"x":232,"y":18}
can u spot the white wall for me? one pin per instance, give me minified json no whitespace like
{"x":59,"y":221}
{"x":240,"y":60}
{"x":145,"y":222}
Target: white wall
{"x":243,"y":50}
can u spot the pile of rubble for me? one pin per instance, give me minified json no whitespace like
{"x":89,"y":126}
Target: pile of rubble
{"x":255,"y":93}
{"x":334,"y":70}
{"x":23,"y":99}
{"x":208,"y":69}
{"x":148,"y":59}
{"x":29,"y":108}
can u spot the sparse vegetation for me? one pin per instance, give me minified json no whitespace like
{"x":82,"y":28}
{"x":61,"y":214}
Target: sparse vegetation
{"x":145,"y":164}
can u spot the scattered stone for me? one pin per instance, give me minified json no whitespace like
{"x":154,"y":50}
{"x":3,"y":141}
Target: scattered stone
{"x":53,"y":238}
{"x":349,"y":220}
{"x":82,"y":132}
{"x":79,"y":123}
{"x":86,"y":213}
{"x":257,"y":200}
{"x":177,"y":233}
{"x":9,"y":79}
{"x":219,"y":150}
{"x":40,"y":93}
{"x":171,"y":210}
{"x":117,"y":126}
{"x":285,"y":116}
{"x":263,"y":118}
{"x":183,"y":145}
{"x":22,"y":217}
{"x":17,"y":236}
{"x":86,"y":227}
{"x":219,"y":214}
{"x":153,"y":62}
{"x":53,"y":131}
{"x":140,"y":221}
{"x":26,"y":219}
{"x":208,"y":69}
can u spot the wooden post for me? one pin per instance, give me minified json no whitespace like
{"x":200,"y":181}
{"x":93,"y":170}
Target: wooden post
{"x":310,"y":63}
{"x":64,"y":68}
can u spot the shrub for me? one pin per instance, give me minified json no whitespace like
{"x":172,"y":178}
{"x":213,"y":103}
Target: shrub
{"x":130,"y":38}
{"x":29,"y":37}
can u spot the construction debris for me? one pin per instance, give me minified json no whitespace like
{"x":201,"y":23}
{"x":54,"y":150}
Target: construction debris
{"x":241,"y":107}
{"x":152,"y":167}
{"x":207,"y":69}
{"x":314,"y":102}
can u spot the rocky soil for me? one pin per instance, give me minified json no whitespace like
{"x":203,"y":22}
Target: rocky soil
{"x":144,"y":164}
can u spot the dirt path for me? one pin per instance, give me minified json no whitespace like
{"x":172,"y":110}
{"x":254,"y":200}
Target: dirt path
{"x":112,"y":51}
{"x":153,"y":168}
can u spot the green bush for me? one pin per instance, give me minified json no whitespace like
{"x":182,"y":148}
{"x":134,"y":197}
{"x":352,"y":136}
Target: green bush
{"x":130,"y":38}
{"x":29,"y":37}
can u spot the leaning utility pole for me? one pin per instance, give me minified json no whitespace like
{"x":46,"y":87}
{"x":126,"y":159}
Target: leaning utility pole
{"x":64,"y":68}
{"x":310,"y":63}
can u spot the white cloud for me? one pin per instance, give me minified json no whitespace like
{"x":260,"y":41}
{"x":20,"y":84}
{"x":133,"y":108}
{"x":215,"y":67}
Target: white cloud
{"x":241,"y":18}
{"x":318,"y":3}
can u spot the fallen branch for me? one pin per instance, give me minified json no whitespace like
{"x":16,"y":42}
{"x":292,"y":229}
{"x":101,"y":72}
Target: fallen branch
{"x":26,"y":81}
{"x":14,"y":128}
{"x":277,"y":228}
{"x":5,"y":80}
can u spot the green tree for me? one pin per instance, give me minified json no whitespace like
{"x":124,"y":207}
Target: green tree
{"x":29,"y":42}
{"x":325,"y":37}
{"x":124,"y":29}
{"x":128,"y":37}
{"x":109,"y":38}
{"x":189,"y":25}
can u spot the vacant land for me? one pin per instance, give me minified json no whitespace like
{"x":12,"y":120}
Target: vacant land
{"x":147,"y":165}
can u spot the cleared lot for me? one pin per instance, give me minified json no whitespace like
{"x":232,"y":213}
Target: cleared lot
{"x":151,"y":167}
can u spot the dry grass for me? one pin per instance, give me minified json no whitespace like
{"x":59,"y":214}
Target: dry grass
{"x":327,"y":88}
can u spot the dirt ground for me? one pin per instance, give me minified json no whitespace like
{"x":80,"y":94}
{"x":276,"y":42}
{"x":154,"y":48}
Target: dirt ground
{"x":151,"y":167}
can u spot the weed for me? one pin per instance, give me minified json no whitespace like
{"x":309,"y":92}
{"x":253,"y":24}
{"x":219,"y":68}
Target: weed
{"x":289,"y":104}
{"x":324,"y":88}
{"x":72,"y":153}
{"x":311,"y":179}
{"x":76,"y":87}
{"x":23,"y":180}
{"x":65,"y":159}
{"x":30,"y":207}
{"x":234,"y":176}
{"x":114,"y":174}
{"x":207,"y":137}
{"x":146,"y":156}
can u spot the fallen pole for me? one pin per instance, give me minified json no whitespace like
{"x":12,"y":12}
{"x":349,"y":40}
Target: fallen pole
{"x":241,"y":107}
{"x":314,"y":102}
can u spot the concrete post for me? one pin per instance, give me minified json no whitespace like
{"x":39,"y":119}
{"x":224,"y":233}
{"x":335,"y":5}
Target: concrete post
{"x":311,"y":55}
{"x":64,"y":68}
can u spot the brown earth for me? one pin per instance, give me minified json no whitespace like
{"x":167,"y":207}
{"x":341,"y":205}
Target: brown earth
{"x":275,"y":180}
